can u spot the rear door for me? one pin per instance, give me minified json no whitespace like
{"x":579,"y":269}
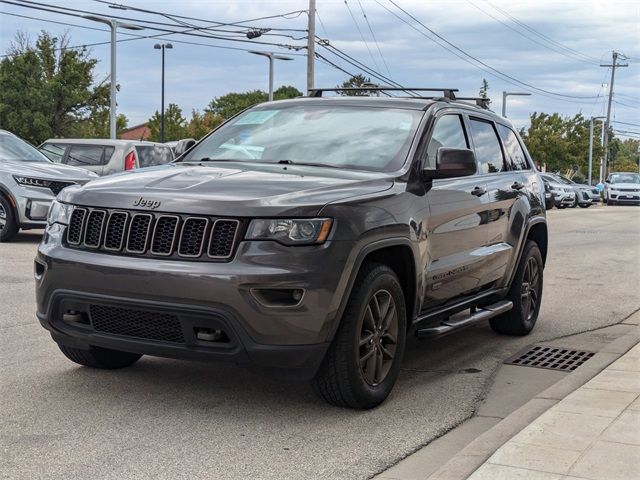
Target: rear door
{"x":90,"y":157}
{"x":456,"y":220}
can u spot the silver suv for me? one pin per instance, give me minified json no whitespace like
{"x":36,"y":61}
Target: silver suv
{"x":105,"y":157}
{"x":28,"y":184}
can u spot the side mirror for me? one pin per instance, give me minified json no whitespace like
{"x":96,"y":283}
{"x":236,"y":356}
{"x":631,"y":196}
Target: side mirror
{"x":607,"y":181}
{"x":453,"y":162}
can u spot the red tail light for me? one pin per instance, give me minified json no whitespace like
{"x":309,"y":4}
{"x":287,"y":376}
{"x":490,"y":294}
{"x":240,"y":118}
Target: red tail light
{"x":130,"y":161}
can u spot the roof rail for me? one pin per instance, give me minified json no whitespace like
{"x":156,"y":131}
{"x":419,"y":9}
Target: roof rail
{"x":481,"y":102}
{"x":447,"y":92}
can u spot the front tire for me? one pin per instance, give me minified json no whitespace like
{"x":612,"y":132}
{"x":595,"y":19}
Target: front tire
{"x":8,"y":222}
{"x":363,"y":362}
{"x":98,"y":357}
{"x":525,"y":293}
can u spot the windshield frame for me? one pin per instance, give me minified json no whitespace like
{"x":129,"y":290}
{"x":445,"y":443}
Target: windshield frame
{"x":397,"y":163}
{"x":39,"y":156}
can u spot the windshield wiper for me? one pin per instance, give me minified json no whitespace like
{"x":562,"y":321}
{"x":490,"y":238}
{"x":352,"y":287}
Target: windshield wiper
{"x":306,"y":164}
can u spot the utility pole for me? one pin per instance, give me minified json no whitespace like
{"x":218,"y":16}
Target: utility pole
{"x":162,"y":47}
{"x":614,"y":65}
{"x":311,"y":44}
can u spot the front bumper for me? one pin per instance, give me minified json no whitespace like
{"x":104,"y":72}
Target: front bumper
{"x":32,"y":204}
{"x":564,"y":198}
{"x":200,"y":295}
{"x":622,"y":196}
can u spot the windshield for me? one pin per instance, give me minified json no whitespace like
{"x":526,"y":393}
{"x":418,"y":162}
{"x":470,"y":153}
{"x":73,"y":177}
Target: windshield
{"x":625,"y":178}
{"x":13,"y":148}
{"x":353,"y":137}
{"x":564,"y":180}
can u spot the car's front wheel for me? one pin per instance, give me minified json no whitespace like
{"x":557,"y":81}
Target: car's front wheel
{"x":8,"y":222}
{"x":363,"y":362}
{"x":98,"y":357}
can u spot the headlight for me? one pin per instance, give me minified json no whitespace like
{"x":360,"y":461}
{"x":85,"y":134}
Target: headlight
{"x":32,"y":182}
{"x":59,"y":213}
{"x":290,"y":232}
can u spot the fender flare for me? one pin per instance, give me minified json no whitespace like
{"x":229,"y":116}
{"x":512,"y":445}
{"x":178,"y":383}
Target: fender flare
{"x":532,"y":221}
{"x":357,"y":264}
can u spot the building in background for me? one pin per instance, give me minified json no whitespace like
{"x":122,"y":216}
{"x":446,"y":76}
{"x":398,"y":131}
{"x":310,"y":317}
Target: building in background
{"x":138,"y":132}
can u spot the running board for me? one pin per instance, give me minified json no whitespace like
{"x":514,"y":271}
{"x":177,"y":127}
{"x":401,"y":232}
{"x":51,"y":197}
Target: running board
{"x":480,"y":314}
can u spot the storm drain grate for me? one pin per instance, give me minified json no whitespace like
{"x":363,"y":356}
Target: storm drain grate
{"x":553,"y":358}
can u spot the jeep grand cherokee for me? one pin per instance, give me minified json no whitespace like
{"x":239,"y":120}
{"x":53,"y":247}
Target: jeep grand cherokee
{"x":309,"y":235}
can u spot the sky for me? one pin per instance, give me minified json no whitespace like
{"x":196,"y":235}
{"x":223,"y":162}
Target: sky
{"x":551,"y":49}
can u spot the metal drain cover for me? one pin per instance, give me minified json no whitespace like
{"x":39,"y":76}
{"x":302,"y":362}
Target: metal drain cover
{"x":553,"y":358}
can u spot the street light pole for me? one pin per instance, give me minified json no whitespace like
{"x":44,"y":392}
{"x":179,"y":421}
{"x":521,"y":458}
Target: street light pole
{"x":271,"y":56}
{"x":162,"y":47}
{"x":113,"y":25}
{"x":591,"y":147}
{"x":504,"y":100}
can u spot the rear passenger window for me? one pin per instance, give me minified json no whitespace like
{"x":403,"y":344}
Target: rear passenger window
{"x":149,"y":155}
{"x":487,"y":146}
{"x":449,"y":133}
{"x":515,"y":153}
{"x":84,"y":155}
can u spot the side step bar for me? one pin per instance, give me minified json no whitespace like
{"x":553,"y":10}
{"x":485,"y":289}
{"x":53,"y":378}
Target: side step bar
{"x":480,"y":314}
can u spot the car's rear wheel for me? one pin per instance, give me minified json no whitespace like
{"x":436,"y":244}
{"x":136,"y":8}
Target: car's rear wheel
{"x":525,"y":293}
{"x":98,"y":357}
{"x":363,"y":362}
{"x":8,"y":222}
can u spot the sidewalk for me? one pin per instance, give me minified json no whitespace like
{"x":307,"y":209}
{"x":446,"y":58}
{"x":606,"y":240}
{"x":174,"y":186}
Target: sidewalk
{"x":593,"y":433}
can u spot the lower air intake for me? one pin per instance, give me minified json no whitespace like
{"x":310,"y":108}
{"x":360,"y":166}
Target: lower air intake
{"x":136,"y":323}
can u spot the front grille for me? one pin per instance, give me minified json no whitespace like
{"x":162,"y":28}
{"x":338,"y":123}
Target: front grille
{"x":56,"y":187}
{"x":153,"y":234}
{"x":136,"y":323}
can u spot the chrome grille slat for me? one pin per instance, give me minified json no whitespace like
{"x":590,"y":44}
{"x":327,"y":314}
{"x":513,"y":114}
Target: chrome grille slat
{"x":153,"y":234}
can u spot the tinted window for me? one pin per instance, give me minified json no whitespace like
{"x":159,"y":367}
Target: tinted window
{"x":149,"y":155}
{"x":515,"y":153}
{"x":487,"y":146}
{"x":52,"y":151}
{"x":448,"y":132}
{"x":85,"y":155}
{"x":14,"y":148}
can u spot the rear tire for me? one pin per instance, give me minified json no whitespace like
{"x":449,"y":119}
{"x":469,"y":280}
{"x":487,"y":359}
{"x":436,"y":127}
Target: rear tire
{"x":8,"y":222}
{"x":525,"y":293}
{"x":97,"y":357}
{"x":363,"y":362}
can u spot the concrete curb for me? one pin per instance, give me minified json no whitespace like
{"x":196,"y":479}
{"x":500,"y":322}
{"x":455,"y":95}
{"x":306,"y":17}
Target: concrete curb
{"x":470,"y":458}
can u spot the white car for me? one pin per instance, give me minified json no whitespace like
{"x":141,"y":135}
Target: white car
{"x":622,"y":187}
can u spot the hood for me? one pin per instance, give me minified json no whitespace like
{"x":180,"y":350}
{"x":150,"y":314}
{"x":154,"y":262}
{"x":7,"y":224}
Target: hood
{"x":229,"y":189}
{"x":47,"y":171}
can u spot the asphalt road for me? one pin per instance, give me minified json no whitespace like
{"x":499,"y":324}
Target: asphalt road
{"x":171,"y":419}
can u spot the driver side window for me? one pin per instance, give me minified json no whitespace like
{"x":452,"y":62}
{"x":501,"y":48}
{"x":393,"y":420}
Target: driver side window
{"x":448,"y":132}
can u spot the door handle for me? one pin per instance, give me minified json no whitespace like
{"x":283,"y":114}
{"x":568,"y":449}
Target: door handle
{"x":478,"y":191}
{"x":517,"y":186}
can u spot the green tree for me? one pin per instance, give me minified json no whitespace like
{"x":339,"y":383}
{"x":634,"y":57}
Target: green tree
{"x":484,"y":89}
{"x":232,"y":103}
{"x":47,"y":88}
{"x":175,"y":125}
{"x":624,"y":154}
{"x":202,"y":123}
{"x":356,"y":81}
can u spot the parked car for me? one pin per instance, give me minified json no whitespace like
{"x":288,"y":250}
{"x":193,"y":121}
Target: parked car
{"x":585,"y":195}
{"x":309,"y":236}
{"x":28,"y":184}
{"x":563,"y":195}
{"x":181,"y":146}
{"x":622,"y":187}
{"x":105,"y":157}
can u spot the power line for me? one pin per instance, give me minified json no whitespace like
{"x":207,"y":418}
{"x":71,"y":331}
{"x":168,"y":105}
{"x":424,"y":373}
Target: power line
{"x":542,"y":35}
{"x":532,"y":39}
{"x":479,"y":63}
{"x":366,"y":19}
{"x":361,"y":35}
{"x":626,"y":123}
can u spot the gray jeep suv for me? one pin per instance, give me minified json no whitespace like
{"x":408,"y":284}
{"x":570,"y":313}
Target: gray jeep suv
{"x":309,"y":236}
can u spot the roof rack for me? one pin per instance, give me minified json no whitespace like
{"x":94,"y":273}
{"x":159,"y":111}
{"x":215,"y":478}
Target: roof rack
{"x":447,"y":92}
{"x":481,"y":102}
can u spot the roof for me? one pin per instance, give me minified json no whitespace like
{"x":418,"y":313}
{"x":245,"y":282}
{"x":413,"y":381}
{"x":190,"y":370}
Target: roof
{"x":99,"y":141}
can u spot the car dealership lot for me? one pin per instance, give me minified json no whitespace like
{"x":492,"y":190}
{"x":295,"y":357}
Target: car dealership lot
{"x":173,"y":419}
